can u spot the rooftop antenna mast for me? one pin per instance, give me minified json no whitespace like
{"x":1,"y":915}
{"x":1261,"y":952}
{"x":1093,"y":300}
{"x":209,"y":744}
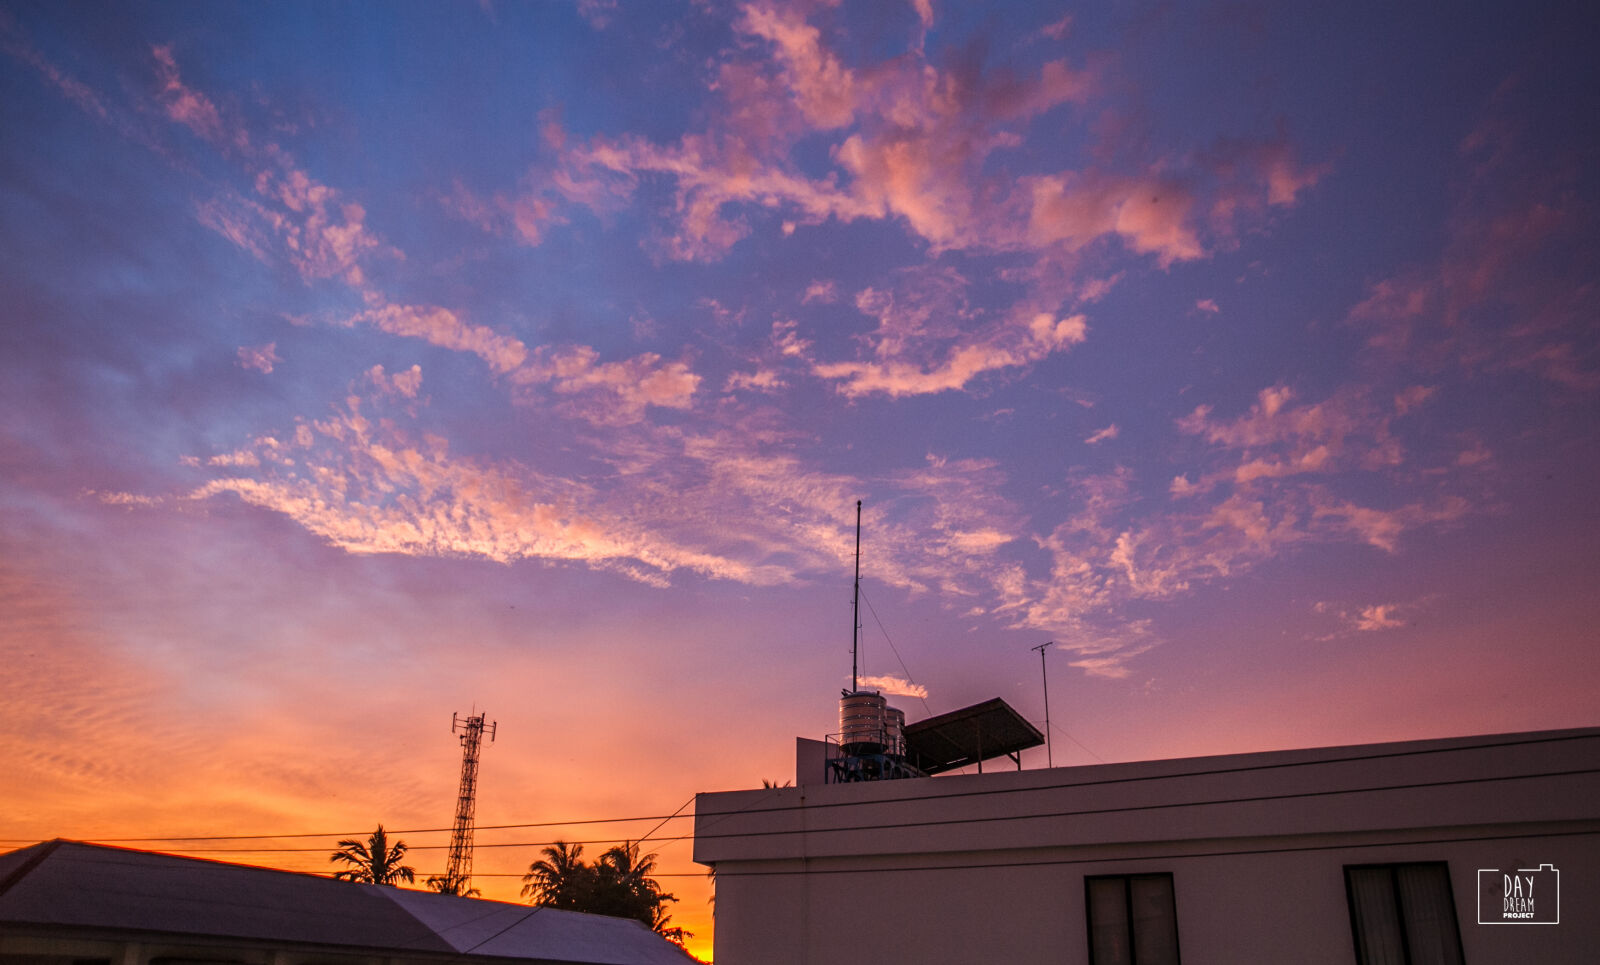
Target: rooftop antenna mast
{"x":458,"y":874}
{"x":1049,"y":758}
{"x":855,"y":607}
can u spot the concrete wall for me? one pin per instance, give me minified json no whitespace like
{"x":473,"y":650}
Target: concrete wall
{"x":991,"y":868}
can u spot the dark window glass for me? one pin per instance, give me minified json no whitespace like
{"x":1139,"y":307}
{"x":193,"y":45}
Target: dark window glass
{"x":1403,"y":914}
{"x":1133,"y":920}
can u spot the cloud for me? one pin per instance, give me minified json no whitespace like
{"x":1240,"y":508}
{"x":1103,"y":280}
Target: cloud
{"x":444,"y":328}
{"x":893,"y":686}
{"x":119,"y":498}
{"x":825,"y":91}
{"x":260,"y":358}
{"x":190,"y":107}
{"x":1207,"y":305}
{"x":366,"y":487}
{"x":1006,"y":347}
{"x":403,"y":384}
{"x":1101,"y":435}
{"x":761,"y":380}
{"x":826,"y":292}
{"x":1378,"y":617}
{"x":1496,"y":297}
{"x":613,"y":392}
{"x":598,"y":13}
{"x":1150,"y":214}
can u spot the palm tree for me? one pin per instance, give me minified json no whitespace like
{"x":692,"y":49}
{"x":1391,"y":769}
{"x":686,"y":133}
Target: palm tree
{"x":560,"y":879}
{"x":619,"y":884}
{"x":447,"y":884}
{"x":373,"y":860}
{"x":629,"y":890}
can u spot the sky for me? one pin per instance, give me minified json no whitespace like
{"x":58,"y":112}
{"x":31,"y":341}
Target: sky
{"x":365,"y":364}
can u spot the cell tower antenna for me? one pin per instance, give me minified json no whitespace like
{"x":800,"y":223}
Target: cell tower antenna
{"x":855,"y":607}
{"x":458,"y":874}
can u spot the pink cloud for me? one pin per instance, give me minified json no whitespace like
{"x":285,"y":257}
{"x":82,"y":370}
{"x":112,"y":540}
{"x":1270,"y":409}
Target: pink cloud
{"x":825,"y":91}
{"x":192,"y":108}
{"x":13,"y":42}
{"x":260,"y":358}
{"x":404,"y":384}
{"x":1150,"y":216}
{"x":442,"y":327}
{"x":1378,"y":617}
{"x":1102,"y":435}
{"x":612,"y":392}
{"x":761,"y":380}
{"x":1008,"y":348}
{"x":826,"y":292}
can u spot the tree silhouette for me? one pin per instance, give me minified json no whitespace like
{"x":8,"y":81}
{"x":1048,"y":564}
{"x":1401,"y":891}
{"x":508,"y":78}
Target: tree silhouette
{"x":373,"y":861}
{"x":618,"y":884}
{"x":560,"y":879}
{"x":447,"y":884}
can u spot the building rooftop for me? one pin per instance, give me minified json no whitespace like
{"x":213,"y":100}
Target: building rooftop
{"x":62,"y":887}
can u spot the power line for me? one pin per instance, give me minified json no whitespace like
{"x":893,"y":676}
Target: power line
{"x":418,"y":847}
{"x":350,"y":834}
{"x":873,"y":610}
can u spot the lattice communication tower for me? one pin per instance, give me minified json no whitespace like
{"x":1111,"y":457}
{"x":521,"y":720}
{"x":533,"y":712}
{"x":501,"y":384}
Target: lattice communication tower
{"x":471,"y":729}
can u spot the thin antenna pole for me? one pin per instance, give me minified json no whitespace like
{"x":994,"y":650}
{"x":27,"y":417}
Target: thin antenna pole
{"x":1049,"y":757}
{"x":855,"y":607}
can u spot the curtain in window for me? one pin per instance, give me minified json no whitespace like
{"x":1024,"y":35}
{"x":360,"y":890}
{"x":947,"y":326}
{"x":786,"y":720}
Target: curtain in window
{"x":1404,"y":915}
{"x":1379,"y":940}
{"x":1155,"y":921}
{"x":1108,"y":922}
{"x":1430,"y":919}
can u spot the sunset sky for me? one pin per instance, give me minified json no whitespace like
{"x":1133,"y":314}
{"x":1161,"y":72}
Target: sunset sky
{"x":365,"y":363}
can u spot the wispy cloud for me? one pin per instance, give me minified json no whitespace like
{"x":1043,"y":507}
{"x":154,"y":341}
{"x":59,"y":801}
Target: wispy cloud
{"x":893,"y":686}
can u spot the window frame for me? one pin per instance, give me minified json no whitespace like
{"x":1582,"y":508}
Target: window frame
{"x":1126,"y":880}
{"x":1393,"y":868}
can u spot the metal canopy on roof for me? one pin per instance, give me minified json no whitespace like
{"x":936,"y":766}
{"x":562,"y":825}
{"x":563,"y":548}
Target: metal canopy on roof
{"x":969,"y":735}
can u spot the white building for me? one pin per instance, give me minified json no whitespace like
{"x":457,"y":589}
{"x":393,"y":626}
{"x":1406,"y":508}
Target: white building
{"x":1366,"y":854}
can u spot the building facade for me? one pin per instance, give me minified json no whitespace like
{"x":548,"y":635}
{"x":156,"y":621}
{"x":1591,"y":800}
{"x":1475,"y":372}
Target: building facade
{"x":1328,"y":856}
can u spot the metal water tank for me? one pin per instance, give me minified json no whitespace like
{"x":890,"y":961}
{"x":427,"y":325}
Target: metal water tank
{"x":861,"y":722}
{"x":894,"y":732}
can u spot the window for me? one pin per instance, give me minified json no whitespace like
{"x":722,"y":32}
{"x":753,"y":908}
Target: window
{"x":1132,"y":920}
{"x":1403,"y":914}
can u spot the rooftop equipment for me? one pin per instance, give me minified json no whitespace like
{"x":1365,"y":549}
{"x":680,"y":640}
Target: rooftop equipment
{"x":876,"y":744}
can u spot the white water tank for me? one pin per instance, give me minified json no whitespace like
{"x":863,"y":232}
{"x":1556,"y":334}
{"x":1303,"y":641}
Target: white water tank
{"x":862,"y":722}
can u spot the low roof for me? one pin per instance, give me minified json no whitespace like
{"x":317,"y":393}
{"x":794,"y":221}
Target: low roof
{"x":68,"y":884}
{"x":969,"y":735}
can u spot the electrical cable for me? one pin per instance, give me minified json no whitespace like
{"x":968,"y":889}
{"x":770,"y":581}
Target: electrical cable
{"x":351,"y":834}
{"x":1056,"y":728}
{"x":873,"y":610}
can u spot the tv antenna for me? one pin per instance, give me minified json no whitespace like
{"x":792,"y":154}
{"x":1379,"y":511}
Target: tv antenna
{"x":855,"y":607}
{"x":1048,"y":757}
